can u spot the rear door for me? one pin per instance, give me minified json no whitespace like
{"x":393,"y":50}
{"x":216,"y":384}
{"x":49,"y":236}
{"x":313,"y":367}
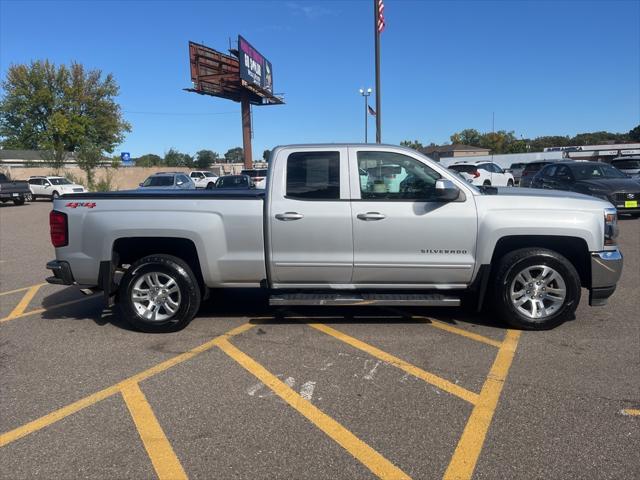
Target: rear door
{"x":309,"y":214}
{"x":402,"y":235}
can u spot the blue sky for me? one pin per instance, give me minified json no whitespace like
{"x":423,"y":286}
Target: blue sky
{"x":544,"y":68}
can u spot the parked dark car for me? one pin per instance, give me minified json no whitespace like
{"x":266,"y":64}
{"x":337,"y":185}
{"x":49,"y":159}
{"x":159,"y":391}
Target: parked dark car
{"x":235,"y":181}
{"x":595,"y":179}
{"x":628,"y":165}
{"x":16,"y":191}
{"x":530,"y":170}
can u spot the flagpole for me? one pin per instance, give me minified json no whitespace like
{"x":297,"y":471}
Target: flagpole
{"x":376,"y":32}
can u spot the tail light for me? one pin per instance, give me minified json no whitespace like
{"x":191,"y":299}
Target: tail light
{"x":476,"y":174}
{"x":58,"y":229}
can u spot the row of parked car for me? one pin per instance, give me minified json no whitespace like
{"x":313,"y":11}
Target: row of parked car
{"x":250,"y":178}
{"x":617,"y":182}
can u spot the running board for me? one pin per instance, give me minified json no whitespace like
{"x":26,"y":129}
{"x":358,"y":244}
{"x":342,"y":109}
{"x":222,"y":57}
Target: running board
{"x":360,"y":299}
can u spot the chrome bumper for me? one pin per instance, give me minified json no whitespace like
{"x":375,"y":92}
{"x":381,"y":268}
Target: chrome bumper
{"x":606,"y":268}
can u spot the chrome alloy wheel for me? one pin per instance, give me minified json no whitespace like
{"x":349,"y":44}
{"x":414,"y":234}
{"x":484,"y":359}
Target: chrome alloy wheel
{"x":156,"y":296}
{"x":538,"y":292}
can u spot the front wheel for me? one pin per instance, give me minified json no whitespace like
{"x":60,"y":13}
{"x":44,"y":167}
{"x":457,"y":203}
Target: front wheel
{"x":486,"y":183}
{"x":509,"y":183}
{"x":18,"y":201}
{"x":536,"y":288}
{"x":159,"y":293}
{"x":210,"y":186}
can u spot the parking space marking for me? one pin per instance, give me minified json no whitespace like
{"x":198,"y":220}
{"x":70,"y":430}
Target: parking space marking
{"x":45,"y":309}
{"x":430,"y":378}
{"x":164,"y":460}
{"x":631,"y":411}
{"x":464,"y":333}
{"x":20,"y":289}
{"x":53,"y":417}
{"x":24,"y":302}
{"x":369,"y":457}
{"x":469,"y":446}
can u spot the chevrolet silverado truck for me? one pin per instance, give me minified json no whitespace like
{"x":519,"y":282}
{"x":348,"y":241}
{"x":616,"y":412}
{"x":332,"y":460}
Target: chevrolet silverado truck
{"x":341,"y":225}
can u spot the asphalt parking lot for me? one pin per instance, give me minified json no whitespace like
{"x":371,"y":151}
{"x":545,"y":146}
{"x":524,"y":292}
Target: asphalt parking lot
{"x":250,"y":392}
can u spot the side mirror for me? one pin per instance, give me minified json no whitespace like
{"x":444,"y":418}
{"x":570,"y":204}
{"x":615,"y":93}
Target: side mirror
{"x":141,"y":184}
{"x":446,"y":190}
{"x":179,"y":182}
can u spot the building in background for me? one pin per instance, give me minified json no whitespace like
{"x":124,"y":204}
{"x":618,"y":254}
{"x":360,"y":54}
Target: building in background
{"x":439,"y":152}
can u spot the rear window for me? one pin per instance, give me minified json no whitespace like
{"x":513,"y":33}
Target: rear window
{"x":313,"y":175}
{"x":255,"y":173}
{"x":158,"y":182}
{"x":626,"y":164}
{"x":233,"y":181}
{"x":463,"y":168}
{"x":533,"y":167}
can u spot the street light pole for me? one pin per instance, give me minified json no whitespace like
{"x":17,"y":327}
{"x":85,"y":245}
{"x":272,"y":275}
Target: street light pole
{"x":365,"y":94}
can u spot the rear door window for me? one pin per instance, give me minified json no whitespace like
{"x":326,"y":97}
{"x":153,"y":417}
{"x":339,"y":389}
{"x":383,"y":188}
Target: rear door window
{"x":313,"y":175}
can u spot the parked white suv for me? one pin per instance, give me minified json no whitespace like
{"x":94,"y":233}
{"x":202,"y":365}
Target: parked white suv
{"x":52,"y":187}
{"x":483,"y":173}
{"x":202,"y":178}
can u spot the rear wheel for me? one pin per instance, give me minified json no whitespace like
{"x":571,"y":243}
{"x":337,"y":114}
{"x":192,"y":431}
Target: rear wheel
{"x":159,"y":293}
{"x":486,"y":183}
{"x":536,"y":289}
{"x":509,"y":183}
{"x":210,"y":186}
{"x":54,"y":196}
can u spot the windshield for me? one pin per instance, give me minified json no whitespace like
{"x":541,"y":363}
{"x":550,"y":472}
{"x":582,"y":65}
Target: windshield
{"x":59,"y":181}
{"x":594,"y":172}
{"x":255,"y":173}
{"x":158,"y":182}
{"x":463,"y":168}
{"x":533,"y":167}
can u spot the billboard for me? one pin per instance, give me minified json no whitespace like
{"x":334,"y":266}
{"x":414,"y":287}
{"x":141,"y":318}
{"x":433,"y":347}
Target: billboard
{"x":255,"y":70}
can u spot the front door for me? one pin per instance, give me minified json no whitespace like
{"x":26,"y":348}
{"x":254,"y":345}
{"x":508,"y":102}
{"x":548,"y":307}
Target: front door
{"x":310,"y":234}
{"x":402,"y":234}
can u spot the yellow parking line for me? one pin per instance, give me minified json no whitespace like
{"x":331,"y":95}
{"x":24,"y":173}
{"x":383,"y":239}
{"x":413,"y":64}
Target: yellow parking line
{"x":464,"y":333}
{"x":468,"y":449}
{"x":369,"y":457}
{"x":63,"y":412}
{"x":439,"y":382}
{"x":24,"y":303}
{"x":55,"y":416}
{"x":162,"y":456}
{"x":45,"y":309}
{"x":21,"y":289}
{"x":631,"y":411}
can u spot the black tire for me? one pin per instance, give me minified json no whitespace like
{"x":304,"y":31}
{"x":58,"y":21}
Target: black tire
{"x":515,"y":262}
{"x":166,"y":266}
{"x":486,"y":183}
{"x":28,"y":197}
{"x":18,"y":201}
{"x":509,"y":183}
{"x":54,"y":196}
{"x":210,"y":186}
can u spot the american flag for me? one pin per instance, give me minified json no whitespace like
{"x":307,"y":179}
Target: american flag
{"x":380,"y":16}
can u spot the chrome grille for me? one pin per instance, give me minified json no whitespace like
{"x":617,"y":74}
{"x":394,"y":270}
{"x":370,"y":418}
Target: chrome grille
{"x":622,"y":196}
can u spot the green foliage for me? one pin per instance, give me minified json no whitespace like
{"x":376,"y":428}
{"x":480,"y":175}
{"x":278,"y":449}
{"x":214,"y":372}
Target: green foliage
{"x":73,"y":178}
{"x":415,"y":144}
{"x":204,"y":158}
{"x":105,"y":184}
{"x":174,"y":158}
{"x":148,"y":160}
{"x":634,"y":134}
{"x":116,"y":161}
{"x":234,"y":155}
{"x":266,"y":154}
{"x":59,"y":108}
{"x":89,"y":158}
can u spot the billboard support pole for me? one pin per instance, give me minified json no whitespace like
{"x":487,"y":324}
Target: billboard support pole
{"x":246,"y":131}
{"x":376,"y":33}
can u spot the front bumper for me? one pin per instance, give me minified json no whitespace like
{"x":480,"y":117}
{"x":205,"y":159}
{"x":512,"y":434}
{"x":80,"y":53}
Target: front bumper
{"x":61,"y":273}
{"x":606,"y":268}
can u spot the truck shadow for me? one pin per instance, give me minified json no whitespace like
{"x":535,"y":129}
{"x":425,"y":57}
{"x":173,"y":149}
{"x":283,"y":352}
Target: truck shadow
{"x":254,"y":304}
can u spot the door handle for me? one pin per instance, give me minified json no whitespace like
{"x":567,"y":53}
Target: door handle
{"x":288,"y":216}
{"x":371,"y":216}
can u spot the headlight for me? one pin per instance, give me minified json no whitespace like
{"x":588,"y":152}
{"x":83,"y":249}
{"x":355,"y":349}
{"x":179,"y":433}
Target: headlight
{"x":610,"y":226}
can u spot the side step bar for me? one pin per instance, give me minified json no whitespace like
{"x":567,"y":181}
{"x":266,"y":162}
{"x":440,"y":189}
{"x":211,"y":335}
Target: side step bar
{"x":361,"y":299}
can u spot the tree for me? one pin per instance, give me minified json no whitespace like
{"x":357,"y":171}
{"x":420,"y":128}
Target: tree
{"x":174,"y":158}
{"x":415,"y":144}
{"x":266,"y":154}
{"x":204,"y":158}
{"x":148,"y":160}
{"x":634,"y":134}
{"x":468,"y":136}
{"x":89,"y":158}
{"x":58,"y":109}
{"x":234,"y":155}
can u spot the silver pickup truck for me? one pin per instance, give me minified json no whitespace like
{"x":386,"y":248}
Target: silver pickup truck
{"x":341,"y":225}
